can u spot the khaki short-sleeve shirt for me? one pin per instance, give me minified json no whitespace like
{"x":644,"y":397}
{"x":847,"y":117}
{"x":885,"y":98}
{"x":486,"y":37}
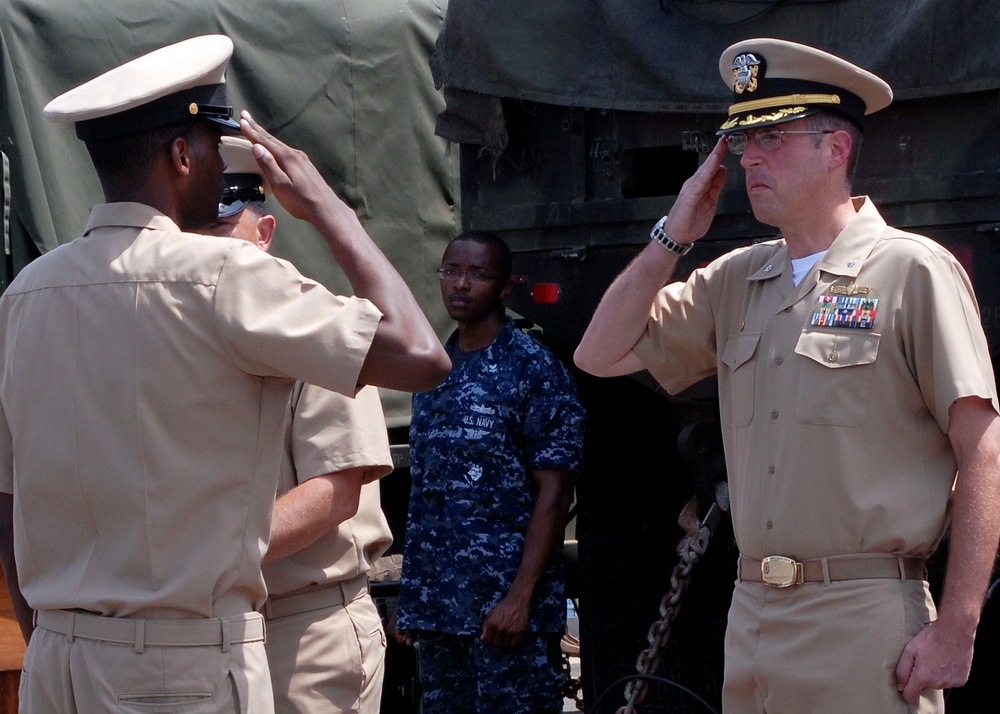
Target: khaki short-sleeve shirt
{"x":835,"y":431}
{"x":326,"y":433}
{"x":146,"y":373}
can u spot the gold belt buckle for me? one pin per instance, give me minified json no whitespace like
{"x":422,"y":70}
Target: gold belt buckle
{"x":780,"y":572}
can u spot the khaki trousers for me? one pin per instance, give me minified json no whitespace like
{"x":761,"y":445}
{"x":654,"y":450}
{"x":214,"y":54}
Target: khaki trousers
{"x":78,"y":674}
{"x":823,"y":649}
{"x":329,"y":658}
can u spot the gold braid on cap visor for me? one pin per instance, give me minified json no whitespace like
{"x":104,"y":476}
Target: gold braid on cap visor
{"x":783,"y":101}
{"x":784,"y":113}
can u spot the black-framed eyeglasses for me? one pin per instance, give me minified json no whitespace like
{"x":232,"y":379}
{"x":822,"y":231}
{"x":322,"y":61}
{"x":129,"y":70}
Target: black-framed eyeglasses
{"x":473,"y":276}
{"x":767,"y":139}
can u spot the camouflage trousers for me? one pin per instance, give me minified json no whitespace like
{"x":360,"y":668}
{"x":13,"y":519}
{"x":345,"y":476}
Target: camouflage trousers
{"x":459,"y":674}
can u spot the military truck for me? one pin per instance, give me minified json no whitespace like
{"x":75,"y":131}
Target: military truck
{"x":568,"y":127}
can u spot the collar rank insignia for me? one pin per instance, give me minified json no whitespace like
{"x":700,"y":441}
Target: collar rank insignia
{"x":745,"y":70}
{"x":852,"y":312}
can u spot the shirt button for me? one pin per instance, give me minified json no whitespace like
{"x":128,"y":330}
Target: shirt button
{"x":779,"y":359}
{"x":788,"y":309}
{"x":832,"y":357}
{"x":774,"y":414}
{"x":770,"y":525}
{"x":770,"y":469}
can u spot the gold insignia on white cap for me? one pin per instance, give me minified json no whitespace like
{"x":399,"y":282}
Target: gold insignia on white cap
{"x":745,"y":68}
{"x":183,"y":79}
{"x":774,"y":81}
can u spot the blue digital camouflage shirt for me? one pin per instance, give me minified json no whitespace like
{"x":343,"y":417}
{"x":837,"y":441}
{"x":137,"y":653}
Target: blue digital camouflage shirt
{"x":508,"y":410}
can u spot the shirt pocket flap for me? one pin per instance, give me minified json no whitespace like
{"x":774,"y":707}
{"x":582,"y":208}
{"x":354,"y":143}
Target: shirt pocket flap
{"x":739,"y":349}
{"x":839,"y":349}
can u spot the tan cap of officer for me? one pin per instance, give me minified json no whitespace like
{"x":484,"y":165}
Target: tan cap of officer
{"x":185,"y":79}
{"x":245,"y":181}
{"x":775,"y":81}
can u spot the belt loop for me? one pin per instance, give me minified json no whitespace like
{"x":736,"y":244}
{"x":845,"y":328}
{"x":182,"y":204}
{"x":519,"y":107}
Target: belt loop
{"x":140,"y":636}
{"x":226,"y":635}
{"x":902,"y":568}
{"x":825,"y":564}
{"x":34,"y":619}
{"x":70,"y":637}
{"x":267,"y":610}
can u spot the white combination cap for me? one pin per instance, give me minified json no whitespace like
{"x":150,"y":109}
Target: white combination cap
{"x":182,"y":80}
{"x":775,"y":81}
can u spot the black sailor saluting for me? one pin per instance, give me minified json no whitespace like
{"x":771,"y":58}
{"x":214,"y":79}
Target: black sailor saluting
{"x":146,"y":375}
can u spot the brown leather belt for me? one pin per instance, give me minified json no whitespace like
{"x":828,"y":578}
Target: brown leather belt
{"x":201,"y":632}
{"x":780,"y":572}
{"x":316,"y":597}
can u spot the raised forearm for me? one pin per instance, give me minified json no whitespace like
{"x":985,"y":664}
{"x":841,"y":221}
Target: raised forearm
{"x":405,"y":354}
{"x":606,"y":349}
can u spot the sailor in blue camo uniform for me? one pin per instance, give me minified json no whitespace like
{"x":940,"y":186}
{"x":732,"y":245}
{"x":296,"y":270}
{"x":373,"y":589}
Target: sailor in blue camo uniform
{"x":494,"y":449}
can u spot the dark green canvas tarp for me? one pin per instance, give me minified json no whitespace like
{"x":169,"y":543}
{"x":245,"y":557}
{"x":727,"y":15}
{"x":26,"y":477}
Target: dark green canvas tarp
{"x":662,"y":55}
{"x":347,"y":81}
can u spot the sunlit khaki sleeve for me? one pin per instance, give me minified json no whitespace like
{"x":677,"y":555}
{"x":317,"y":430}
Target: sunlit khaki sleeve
{"x":328,"y":433}
{"x":278,"y":323}
{"x":331,"y":433}
{"x":944,"y":339}
{"x":681,"y":342}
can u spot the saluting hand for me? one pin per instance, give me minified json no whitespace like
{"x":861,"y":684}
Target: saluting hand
{"x":294,"y":179}
{"x":694,"y":209}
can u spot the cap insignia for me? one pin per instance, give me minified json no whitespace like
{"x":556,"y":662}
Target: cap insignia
{"x":745,"y":70}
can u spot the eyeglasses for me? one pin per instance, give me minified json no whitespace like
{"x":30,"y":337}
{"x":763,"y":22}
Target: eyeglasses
{"x":473,"y":276}
{"x":767,"y":139}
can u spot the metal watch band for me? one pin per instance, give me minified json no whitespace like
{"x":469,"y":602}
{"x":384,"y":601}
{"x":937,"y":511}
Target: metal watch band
{"x":664,"y":239}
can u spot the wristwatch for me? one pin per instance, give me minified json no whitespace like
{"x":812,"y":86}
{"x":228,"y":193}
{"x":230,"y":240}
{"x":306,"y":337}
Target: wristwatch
{"x":664,"y":239}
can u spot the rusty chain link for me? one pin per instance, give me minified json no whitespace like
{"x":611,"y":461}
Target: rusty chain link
{"x":689,"y":550}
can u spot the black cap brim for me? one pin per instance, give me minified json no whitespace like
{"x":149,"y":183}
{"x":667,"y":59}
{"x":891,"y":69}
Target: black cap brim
{"x":232,"y":208}
{"x":229,"y":126}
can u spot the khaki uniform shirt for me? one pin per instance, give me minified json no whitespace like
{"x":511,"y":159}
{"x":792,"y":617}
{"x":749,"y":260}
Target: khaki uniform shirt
{"x":835,"y":436}
{"x":326,"y":433}
{"x":146,"y":374}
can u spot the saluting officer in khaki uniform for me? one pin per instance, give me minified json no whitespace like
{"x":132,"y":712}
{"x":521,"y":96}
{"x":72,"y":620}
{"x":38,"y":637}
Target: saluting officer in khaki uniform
{"x":325,"y":643}
{"x":854,"y":384}
{"x":146,"y":374}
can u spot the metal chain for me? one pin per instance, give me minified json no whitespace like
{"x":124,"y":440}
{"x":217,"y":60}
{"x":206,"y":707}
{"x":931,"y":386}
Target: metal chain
{"x":690,"y":549}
